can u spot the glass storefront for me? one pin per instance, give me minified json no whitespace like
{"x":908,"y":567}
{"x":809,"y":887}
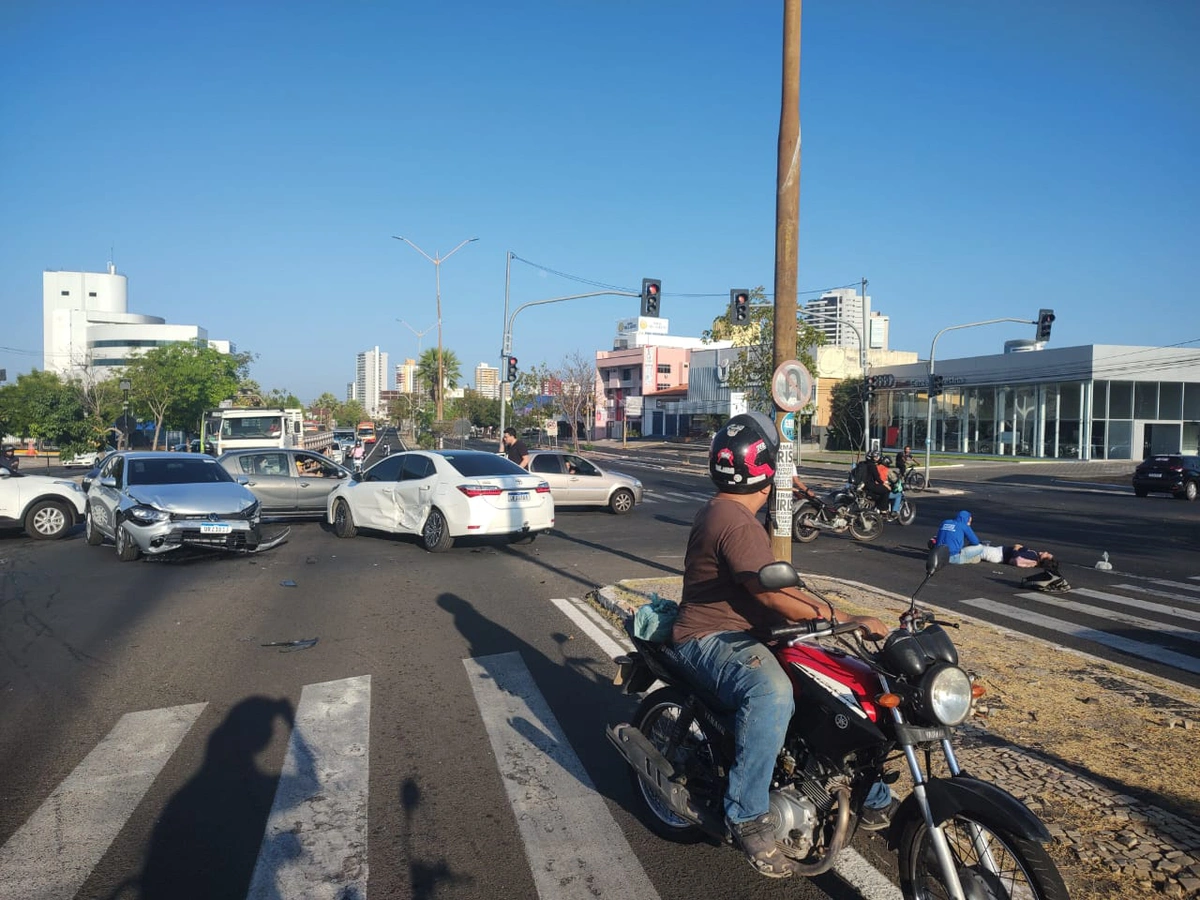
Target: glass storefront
{"x":1119,"y":419}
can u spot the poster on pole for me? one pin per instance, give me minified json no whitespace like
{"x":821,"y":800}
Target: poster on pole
{"x":791,"y":386}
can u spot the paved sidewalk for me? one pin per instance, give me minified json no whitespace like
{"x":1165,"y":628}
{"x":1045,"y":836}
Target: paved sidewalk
{"x":1142,"y":847}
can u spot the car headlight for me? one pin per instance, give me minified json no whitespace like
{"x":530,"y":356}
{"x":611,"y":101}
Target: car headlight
{"x":147,"y":515}
{"x":251,"y":511}
{"x":946,"y":694}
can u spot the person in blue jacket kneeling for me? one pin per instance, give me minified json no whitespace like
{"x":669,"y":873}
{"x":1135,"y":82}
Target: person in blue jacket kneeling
{"x":960,"y":540}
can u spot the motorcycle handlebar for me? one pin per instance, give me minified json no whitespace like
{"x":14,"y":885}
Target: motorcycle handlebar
{"x":812,"y":626}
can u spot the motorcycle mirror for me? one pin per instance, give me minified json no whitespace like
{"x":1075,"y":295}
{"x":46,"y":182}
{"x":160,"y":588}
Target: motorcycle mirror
{"x":937,"y":558}
{"x":778,"y":575}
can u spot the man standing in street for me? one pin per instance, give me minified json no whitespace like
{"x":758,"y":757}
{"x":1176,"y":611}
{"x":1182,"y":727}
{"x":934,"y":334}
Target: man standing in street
{"x":514,"y":448}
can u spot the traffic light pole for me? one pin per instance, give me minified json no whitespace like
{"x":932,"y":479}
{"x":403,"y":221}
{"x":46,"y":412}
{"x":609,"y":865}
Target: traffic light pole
{"x":929,"y":387}
{"x":506,"y":340}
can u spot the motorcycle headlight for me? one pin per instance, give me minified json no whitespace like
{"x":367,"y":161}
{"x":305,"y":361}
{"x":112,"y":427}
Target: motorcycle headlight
{"x":147,"y":515}
{"x":946,"y":694}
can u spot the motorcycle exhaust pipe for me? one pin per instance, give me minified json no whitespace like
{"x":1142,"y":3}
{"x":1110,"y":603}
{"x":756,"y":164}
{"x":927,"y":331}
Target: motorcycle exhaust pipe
{"x":659,"y":775}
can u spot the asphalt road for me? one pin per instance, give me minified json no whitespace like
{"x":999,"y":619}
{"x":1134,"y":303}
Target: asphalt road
{"x":452,"y":707}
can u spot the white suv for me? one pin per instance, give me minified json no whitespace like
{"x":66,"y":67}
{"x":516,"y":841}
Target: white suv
{"x":45,"y":507}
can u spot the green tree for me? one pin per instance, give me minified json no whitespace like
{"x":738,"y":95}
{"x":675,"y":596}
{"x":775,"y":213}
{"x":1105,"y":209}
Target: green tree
{"x":42,"y":406}
{"x":752,"y":370}
{"x":846,"y":416}
{"x":484,"y":412}
{"x":351,"y":413}
{"x":281,"y":398}
{"x":175,"y":384}
{"x":427,"y":369}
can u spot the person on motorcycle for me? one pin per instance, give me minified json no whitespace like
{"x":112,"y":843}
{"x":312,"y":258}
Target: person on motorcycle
{"x":725,"y":614}
{"x":866,"y":473}
{"x":960,"y":540}
{"x":893,"y":481}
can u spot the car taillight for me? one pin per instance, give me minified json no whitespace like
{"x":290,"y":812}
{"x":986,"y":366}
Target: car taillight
{"x":1176,"y":468}
{"x":543,"y":488}
{"x":480,"y":490}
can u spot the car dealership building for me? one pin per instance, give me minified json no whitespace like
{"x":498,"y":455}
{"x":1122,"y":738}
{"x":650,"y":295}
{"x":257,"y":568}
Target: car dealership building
{"x":1093,"y":402}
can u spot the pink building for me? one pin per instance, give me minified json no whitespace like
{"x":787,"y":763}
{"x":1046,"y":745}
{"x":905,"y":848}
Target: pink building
{"x":625,"y":377}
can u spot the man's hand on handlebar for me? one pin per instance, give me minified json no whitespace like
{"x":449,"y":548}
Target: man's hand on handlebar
{"x":874,"y":628}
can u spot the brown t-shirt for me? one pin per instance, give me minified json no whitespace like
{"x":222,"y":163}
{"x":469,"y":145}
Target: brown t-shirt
{"x":726,"y":548}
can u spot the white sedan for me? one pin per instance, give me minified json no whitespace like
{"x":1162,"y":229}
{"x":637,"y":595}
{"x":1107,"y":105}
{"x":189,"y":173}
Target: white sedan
{"x":441,"y":495}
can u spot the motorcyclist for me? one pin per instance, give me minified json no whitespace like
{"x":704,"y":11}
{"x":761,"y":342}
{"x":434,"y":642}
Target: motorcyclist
{"x":894,"y":482}
{"x":725,"y":614}
{"x":9,"y":459}
{"x":866,"y":473}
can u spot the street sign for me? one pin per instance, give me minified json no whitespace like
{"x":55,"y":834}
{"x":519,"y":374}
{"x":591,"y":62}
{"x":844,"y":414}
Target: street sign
{"x":787,"y":425}
{"x":791,"y":386}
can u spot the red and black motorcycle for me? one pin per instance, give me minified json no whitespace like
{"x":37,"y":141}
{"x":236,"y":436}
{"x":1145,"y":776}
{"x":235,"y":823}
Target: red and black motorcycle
{"x":857,"y":709}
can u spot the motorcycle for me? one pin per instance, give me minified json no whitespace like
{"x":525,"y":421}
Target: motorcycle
{"x":908,"y":509}
{"x":840,"y":514}
{"x":957,"y":837}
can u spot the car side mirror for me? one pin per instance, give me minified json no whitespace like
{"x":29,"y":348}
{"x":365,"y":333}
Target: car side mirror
{"x":242,"y":479}
{"x":108,"y":481}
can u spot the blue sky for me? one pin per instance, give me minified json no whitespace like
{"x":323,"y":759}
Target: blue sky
{"x":248,"y":163}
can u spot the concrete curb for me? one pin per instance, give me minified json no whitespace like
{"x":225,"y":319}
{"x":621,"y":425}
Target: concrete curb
{"x":1158,"y":848}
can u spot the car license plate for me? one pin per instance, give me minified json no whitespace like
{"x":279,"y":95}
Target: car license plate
{"x":1155,"y":475}
{"x":518,"y":496}
{"x":215,"y":528}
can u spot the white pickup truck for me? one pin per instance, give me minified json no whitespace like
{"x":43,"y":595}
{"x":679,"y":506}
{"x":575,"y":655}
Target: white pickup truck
{"x":235,"y":429}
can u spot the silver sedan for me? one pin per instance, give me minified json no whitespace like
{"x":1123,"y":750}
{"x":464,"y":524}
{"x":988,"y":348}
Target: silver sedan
{"x":575,"y":481}
{"x":294,"y":483}
{"x":154,"y":503}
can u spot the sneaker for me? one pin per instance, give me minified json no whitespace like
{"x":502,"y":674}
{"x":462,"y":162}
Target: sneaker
{"x":877,"y":819}
{"x":756,"y":838}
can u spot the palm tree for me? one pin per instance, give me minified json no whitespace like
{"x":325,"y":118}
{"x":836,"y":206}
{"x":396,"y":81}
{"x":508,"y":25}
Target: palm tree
{"x":427,"y":370}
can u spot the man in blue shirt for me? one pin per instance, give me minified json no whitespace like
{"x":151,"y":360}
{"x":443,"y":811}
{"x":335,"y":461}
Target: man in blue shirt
{"x":956,"y":535}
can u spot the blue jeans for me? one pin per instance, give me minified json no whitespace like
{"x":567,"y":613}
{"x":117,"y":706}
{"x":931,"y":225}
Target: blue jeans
{"x":745,"y":676}
{"x":970,"y":554}
{"x":897,"y":498}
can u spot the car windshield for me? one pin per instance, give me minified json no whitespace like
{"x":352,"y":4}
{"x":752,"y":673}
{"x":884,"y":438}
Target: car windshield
{"x":476,"y":464}
{"x":175,"y":471}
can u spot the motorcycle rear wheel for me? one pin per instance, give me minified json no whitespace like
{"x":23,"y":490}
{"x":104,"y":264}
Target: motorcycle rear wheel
{"x":803,"y":529}
{"x":865,"y":524}
{"x":1022,"y":867}
{"x":656,"y":718}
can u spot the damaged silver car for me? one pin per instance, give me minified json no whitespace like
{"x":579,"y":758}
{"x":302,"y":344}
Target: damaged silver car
{"x":155,"y":503}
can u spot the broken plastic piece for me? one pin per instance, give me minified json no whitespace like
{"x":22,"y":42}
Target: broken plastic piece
{"x":289,"y":646}
{"x":288,"y":583}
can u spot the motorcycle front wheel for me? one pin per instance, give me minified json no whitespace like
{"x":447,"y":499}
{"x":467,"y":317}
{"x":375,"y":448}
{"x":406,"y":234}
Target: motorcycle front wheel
{"x":992,"y":862}
{"x":865,"y":524}
{"x":657,"y":718}
{"x":908,"y":513}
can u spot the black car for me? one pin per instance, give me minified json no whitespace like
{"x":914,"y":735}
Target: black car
{"x":1168,"y":474}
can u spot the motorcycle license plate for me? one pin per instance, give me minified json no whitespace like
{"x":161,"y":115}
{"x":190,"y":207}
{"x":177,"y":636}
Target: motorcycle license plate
{"x":215,"y":528}
{"x":518,"y":496}
{"x":1155,"y":475}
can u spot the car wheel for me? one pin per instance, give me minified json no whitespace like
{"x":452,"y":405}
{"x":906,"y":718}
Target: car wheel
{"x":343,"y":521}
{"x":435,"y":534}
{"x":621,"y":501}
{"x":90,"y":532}
{"x":127,"y":550}
{"x":47,"y":520}
{"x":1140,"y":492}
{"x":1189,"y":492}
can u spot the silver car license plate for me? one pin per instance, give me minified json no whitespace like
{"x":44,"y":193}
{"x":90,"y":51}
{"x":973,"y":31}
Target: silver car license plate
{"x":518,"y":496}
{"x":215,"y":528}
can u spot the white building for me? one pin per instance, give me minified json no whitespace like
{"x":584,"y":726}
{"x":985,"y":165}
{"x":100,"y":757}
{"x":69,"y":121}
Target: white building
{"x":406,"y":377}
{"x":487,"y":381}
{"x":842,"y":314}
{"x":370,"y":378}
{"x":351,"y":390}
{"x":86,"y":323}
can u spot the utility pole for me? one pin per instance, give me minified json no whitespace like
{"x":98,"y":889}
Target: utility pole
{"x":787,"y":256}
{"x":862,"y":362}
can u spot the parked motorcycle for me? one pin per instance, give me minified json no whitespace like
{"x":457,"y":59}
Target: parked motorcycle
{"x":957,"y":837}
{"x":838,"y":515}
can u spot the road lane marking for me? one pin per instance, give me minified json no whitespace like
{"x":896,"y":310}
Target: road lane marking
{"x":54,"y":852}
{"x":1176,"y":611}
{"x":576,"y":851}
{"x":1061,"y":602}
{"x":589,"y":626}
{"x":315,"y":843}
{"x":1125,"y":645}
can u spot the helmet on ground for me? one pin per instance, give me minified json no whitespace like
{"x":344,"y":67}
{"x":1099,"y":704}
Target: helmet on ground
{"x":742,"y":457}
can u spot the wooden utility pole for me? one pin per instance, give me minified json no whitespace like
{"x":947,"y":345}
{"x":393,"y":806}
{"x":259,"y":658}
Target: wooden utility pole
{"x":787,"y":228}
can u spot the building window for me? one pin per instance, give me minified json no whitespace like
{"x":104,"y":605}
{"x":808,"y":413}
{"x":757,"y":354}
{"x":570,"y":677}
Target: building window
{"x":66,"y":293}
{"x":91,"y":293}
{"x":664,"y":369}
{"x":626,"y":374}
{"x":663,"y":387}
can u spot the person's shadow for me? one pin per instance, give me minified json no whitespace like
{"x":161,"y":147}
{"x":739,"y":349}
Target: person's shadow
{"x":208,"y":838}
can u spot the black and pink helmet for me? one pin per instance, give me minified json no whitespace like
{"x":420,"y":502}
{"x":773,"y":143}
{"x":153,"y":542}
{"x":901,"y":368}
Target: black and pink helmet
{"x":742,"y":457}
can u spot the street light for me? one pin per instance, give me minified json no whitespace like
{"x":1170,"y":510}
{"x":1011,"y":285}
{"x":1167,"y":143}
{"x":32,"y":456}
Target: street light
{"x":125,"y":385}
{"x":437,"y":267}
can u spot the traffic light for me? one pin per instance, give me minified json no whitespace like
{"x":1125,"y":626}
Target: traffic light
{"x":512,"y":369}
{"x":739,"y":306}
{"x":1045,"y":320}
{"x":872,"y":382}
{"x":935,"y":385}
{"x":651,"y":291}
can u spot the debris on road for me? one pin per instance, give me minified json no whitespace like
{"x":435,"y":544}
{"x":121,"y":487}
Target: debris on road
{"x":289,"y":646}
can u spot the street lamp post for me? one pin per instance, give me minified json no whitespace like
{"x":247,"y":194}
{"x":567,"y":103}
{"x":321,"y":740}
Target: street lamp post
{"x":929,"y":387}
{"x":437,"y":267}
{"x":125,"y":386}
